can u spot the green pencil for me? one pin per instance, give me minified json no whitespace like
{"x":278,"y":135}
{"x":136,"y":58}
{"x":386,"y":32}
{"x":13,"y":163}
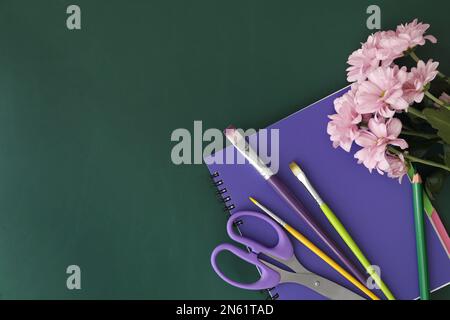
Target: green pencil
{"x":420,"y":238}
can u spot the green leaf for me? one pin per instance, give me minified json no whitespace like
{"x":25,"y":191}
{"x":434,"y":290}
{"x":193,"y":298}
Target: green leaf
{"x":439,"y":119}
{"x":414,"y":120}
{"x":447,"y":155}
{"x":434,"y":182}
{"x":418,"y":146}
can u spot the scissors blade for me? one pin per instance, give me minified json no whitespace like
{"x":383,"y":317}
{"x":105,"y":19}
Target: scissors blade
{"x":322,"y":286}
{"x":302,"y":276}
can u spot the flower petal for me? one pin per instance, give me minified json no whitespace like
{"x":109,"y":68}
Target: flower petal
{"x":394,"y":127}
{"x":366,"y":139}
{"x":378,"y":128}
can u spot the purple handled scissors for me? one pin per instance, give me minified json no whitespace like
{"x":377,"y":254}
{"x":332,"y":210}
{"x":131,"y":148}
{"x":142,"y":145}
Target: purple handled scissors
{"x":283,"y":253}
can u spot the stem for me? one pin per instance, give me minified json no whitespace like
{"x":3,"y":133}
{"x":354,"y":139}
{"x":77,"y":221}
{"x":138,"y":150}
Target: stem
{"x":417,"y":113}
{"x":427,"y":162}
{"x":415,"y":159}
{"x":414,"y":56}
{"x":419,"y":134}
{"x":443,"y":76}
{"x":432,"y":97}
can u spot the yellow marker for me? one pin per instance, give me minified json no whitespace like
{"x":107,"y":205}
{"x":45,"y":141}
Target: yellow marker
{"x":311,"y":246}
{"x":338,"y":226}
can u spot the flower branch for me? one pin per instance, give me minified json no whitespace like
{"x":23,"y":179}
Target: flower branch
{"x":420,"y":134}
{"x":434,"y":99}
{"x":418,"y":160}
{"x":417,"y":113}
{"x":369,"y":114}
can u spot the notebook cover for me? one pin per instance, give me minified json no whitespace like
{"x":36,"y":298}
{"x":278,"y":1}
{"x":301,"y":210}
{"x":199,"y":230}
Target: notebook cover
{"x":376,"y":210}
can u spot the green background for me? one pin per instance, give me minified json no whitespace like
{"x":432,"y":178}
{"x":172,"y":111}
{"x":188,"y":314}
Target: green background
{"x":86,"y":116}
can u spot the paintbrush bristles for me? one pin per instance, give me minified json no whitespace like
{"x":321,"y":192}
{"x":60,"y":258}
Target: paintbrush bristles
{"x":301,"y":176}
{"x":295,"y":169}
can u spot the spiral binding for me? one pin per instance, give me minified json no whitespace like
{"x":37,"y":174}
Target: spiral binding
{"x":221,"y":191}
{"x":228,"y":207}
{"x":272,"y":296}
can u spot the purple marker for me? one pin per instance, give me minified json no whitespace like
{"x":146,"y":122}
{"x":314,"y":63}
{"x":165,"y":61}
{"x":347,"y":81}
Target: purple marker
{"x":239,"y":142}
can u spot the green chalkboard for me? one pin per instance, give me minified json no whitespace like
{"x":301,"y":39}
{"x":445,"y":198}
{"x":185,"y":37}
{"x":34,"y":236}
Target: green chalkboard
{"x":86,"y":117}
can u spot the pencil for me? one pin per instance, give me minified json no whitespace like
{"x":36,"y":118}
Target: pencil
{"x":420,"y":237}
{"x":237,"y":139}
{"x":434,"y":218}
{"x":311,"y":246}
{"x":339,"y":227}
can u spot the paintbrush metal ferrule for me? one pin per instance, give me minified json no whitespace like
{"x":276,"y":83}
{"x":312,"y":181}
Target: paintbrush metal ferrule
{"x":238,"y":141}
{"x":301,"y":176}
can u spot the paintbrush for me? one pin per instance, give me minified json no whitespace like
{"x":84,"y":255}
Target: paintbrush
{"x":311,"y":246}
{"x":339,"y":227}
{"x":239,"y":142}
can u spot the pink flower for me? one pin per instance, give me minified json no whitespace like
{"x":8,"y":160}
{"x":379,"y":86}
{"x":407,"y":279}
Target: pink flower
{"x":391,"y":46}
{"x":374,"y":142}
{"x":382,"y":92}
{"x":383,"y":47}
{"x":361,"y":62}
{"x":425,"y":73}
{"x":418,"y":79}
{"x":343,"y":126}
{"x":413,"y":33}
{"x":445,"y":97}
{"x":395,"y":166}
{"x":364,"y":60}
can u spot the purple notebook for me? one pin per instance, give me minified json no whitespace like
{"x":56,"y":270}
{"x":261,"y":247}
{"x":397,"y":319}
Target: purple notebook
{"x":377,"y":211}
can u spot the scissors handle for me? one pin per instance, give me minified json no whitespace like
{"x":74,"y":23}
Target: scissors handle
{"x":282,"y":250}
{"x":269,"y":278}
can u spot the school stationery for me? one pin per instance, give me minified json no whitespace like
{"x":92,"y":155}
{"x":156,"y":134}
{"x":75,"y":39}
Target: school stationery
{"x":282,"y":252}
{"x":311,"y":246}
{"x":434,"y":218}
{"x":383,"y":229}
{"x":420,"y":237}
{"x":239,"y":142}
{"x":436,"y":222}
{"x":336,"y":223}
